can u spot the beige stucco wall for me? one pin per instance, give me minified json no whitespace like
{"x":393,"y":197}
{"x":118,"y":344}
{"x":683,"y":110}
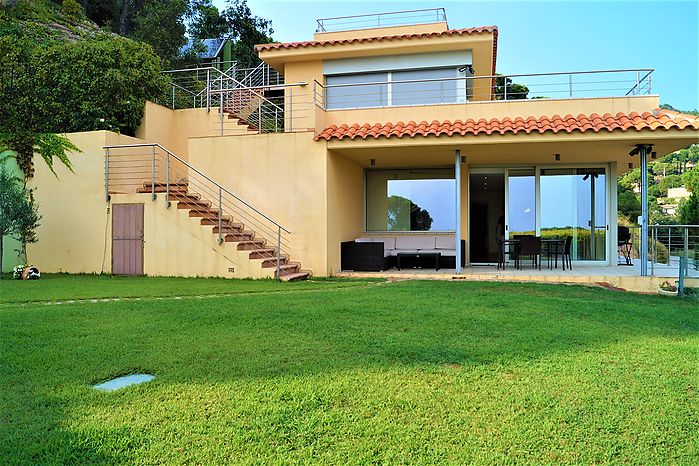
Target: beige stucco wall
{"x":300,"y":107}
{"x":75,"y":232}
{"x":282,"y":175}
{"x":74,"y":235}
{"x":178,"y":245}
{"x":345,"y":192}
{"x":494,"y":109}
{"x":172,"y":128}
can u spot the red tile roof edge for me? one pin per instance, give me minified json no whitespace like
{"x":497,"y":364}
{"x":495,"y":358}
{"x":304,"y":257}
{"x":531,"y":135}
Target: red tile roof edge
{"x":659,"y":118}
{"x":323,"y":43}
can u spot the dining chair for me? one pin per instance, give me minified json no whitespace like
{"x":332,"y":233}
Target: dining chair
{"x":566,"y":252}
{"x":530,"y":246}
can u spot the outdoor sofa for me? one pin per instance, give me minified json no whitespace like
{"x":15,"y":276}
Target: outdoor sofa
{"x":377,"y":253}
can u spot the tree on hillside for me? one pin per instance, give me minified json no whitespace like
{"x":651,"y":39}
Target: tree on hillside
{"x":161,"y":24}
{"x":691,"y":179}
{"x":59,"y":87}
{"x":206,"y":21}
{"x":19,"y":216}
{"x":689,"y":210}
{"x":628,"y":203}
{"x":246,"y":30}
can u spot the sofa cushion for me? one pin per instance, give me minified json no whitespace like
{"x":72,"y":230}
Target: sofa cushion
{"x":445,"y":242}
{"x":364,"y":240}
{"x":389,"y":242}
{"x":418,"y":242}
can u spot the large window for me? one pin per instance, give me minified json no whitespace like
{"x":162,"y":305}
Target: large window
{"x":435,"y":86}
{"x":356,"y":91}
{"x":411,"y":200}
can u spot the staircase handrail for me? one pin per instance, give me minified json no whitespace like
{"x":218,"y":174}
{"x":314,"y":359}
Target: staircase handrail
{"x":186,"y":164}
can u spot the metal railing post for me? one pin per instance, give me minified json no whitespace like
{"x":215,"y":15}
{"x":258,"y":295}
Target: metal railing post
{"x":669,"y":245}
{"x":638,"y":83}
{"x":291,"y":108}
{"x":220,"y":213}
{"x":686,"y":249}
{"x":680,"y":278}
{"x":173,"y":96}
{"x":220,"y":111}
{"x":152,"y":175}
{"x":106,"y":175}
{"x":259,"y":115}
{"x":279,"y":250}
{"x":208,"y":90}
{"x":653,"y":236}
{"x":167,"y":180}
{"x":570,"y":85}
{"x":505,"y":88}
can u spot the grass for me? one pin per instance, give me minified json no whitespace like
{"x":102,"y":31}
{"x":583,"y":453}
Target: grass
{"x":352,"y":372}
{"x":61,"y":287}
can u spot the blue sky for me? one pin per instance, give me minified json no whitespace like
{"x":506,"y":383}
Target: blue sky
{"x":537,"y":37}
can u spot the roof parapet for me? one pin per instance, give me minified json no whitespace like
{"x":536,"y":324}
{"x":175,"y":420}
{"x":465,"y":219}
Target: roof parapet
{"x":382,"y":20}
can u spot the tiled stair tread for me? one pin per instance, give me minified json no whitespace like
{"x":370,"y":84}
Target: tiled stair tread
{"x":295,"y":276}
{"x":232,"y":232}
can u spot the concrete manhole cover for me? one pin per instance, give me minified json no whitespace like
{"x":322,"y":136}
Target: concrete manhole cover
{"x":124,"y":381}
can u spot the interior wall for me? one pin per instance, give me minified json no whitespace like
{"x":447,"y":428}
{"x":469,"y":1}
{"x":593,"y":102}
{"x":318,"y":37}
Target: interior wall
{"x":345,"y":205}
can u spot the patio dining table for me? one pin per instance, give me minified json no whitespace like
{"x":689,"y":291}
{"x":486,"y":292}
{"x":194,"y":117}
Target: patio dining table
{"x":514,"y":245}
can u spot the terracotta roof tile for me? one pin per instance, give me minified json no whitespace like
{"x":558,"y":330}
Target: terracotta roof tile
{"x":359,"y":40}
{"x":658,"y":119}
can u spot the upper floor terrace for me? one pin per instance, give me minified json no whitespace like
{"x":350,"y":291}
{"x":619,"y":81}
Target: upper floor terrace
{"x":396,"y":66}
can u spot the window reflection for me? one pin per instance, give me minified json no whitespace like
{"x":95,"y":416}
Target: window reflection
{"x":573,"y":203}
{"x":411,"y":200}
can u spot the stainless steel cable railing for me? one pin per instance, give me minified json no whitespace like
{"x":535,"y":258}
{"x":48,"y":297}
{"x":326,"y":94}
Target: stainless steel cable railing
{"x":140,"y":168}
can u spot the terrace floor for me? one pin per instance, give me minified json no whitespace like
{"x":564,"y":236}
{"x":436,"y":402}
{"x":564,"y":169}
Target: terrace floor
{"x":622,"y":276}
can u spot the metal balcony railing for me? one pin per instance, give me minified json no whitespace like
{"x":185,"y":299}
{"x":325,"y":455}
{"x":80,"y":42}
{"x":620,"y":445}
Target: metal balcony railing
{"x":458,"y":90}
{"x":257,"y":97}
{"x":666,"y":245}
{"x":144,"y":168}
{"x":379,"y":20}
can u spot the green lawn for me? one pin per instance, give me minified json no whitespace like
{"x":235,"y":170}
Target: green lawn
{"x":332,"y":371}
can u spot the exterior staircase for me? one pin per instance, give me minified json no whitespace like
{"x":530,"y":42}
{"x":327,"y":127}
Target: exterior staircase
{"x":149,"y":168}
{"x":244,"y":239}
{"x":251,"y":106}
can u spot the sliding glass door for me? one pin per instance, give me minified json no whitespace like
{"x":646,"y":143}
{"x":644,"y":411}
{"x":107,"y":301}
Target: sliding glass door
{"x":521,"y":202}
{"x":551,"y":202}
{"x":574,"y":203}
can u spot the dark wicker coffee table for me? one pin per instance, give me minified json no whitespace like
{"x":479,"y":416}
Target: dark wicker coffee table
{"x":418,"y":255}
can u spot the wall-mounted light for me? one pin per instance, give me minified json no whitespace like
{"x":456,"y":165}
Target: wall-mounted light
{"x":630,"y":165}
{"x":463,"y":159}
{"x":654,"y":155}
{"x":372,"y":162}
{"x":558,"y":157}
